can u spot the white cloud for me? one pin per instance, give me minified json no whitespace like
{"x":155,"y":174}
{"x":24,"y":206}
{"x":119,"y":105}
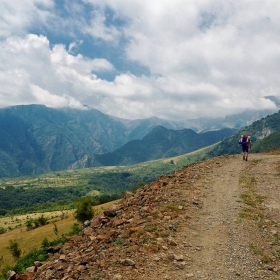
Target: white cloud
{"x":98,"y":28}
{"x":17,"y":16}
{"x":62,"y":58}
{"x":51,"y":100}
{"x":30,"y":68}
{"x":209,"y":57}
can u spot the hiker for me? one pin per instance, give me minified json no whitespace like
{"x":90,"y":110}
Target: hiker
{"x":245,"y":143}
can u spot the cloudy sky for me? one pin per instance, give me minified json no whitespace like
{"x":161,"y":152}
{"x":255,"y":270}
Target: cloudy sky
{"x":174,"y":59}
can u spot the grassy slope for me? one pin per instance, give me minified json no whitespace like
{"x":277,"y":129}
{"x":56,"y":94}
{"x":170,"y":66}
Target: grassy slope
{"x":32,"y":239}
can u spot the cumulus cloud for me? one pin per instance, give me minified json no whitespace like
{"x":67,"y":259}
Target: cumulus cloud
{"x":31,"y":68}
{"x":18,"y":16}
{"x":202,"y":58}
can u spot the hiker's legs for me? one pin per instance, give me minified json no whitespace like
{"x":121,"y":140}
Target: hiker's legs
{"x":245,"y":152}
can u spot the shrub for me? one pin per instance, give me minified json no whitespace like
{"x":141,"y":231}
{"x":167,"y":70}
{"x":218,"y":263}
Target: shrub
{"x":29,"y":259}
{"x":42,"y":220}
{"x":75,"y":229}
{"x":84,"y":210}
{"x":14,"y":249}
{"x":29,"y":224}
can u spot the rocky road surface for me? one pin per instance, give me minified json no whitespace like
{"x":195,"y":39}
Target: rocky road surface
{"x":217,"y":219}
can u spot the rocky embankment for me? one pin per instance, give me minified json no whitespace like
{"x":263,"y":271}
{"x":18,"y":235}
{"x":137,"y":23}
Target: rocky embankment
{"x":217,"y":219}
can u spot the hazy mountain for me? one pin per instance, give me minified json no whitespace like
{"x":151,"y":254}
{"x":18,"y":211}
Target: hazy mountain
{"x":137,"y":129}
{"x":274,"y":99}
{"x":236,"y":121}
{"x":161,"y":143}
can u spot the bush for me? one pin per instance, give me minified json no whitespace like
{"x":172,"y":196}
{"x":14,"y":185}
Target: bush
{"x":42,"y":220}
{"x":75,"y":229}
{"x":29,"y":259}
{"x":84,"y":210}
{"x":14,"y":249}
{"x":29,"y":224}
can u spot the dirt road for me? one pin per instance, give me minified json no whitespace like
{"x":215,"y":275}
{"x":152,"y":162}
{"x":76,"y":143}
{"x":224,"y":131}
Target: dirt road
{"x":212,"y":220}
{"x":235,"y":232}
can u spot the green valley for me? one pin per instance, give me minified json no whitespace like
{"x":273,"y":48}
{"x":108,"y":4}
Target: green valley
{"x":58,"y":190}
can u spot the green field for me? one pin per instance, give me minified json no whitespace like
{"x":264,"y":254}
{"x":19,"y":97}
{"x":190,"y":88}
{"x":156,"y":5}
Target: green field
{"x":58,"y":190}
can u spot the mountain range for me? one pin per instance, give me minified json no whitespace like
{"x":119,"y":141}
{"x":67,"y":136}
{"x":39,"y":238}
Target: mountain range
{"x":162,"y":143}
{"x":36,"y":139}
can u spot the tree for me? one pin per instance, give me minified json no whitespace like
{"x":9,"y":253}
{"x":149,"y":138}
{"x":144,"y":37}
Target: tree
{"x":14,"y":249}
{"x":84,"y":210}
{"x":42,"y":220}
{"x":29,"y":224}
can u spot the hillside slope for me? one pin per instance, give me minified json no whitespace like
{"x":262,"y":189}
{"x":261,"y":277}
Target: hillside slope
{"x":216,"y":219}
{"x":162,"y":143}
{"x":259,"y":131}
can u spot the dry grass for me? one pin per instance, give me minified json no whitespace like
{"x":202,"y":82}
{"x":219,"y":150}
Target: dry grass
{"x":17,"y":221}
{"x":32,"y":239}
{"x":252,"y":201}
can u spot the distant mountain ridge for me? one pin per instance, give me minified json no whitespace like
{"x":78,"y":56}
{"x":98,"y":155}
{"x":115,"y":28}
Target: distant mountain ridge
{"x":36,"y":139}
{"x":162,"y":143}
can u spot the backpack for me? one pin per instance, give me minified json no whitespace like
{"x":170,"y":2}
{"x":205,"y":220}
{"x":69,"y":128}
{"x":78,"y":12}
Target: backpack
{"x":244,"y":140}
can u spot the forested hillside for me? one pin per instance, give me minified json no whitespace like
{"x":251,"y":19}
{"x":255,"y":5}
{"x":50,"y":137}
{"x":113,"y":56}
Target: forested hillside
{"x":36,"y":139}
{"x":264,"y":135}
{"x":162,"y":143}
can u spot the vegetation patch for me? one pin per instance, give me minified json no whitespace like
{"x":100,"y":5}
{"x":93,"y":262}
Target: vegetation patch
{"x":264,"y":257}
{"x":252,"y":201}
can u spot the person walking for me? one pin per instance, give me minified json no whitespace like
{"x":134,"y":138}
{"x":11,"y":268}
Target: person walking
{"x":246,"y":143}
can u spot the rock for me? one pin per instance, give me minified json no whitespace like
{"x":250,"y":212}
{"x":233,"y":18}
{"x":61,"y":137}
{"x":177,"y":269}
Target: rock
{"x":87,"y":223}
{"x":160,"y":240}
{"x":62,"y":258}
{"x":11,"y":275}
{"x":31,"y":269}
{"x":53,"y":250}
{"x":127,"y":262}
{"x":180,"y":265}
{"x":24,"y":276}
{"x":38,"y":264}
{"x":178,"y":257}
{"x":172,"y":242}
{"x":102,"y":255}
{"x":117,"y":277}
